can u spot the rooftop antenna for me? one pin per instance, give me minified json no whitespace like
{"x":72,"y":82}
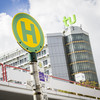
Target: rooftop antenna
{"x":81,"y":26}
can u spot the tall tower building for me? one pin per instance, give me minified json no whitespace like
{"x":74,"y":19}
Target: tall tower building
{"x":79,"y":55}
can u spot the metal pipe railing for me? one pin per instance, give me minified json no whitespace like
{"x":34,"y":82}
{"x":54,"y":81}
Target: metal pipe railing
{"x":2,"y":71}
{"x":5,"y":72}
{"x":77,"y":83}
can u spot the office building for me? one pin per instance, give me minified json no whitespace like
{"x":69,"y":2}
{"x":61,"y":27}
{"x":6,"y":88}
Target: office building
{"x":79,"y":55}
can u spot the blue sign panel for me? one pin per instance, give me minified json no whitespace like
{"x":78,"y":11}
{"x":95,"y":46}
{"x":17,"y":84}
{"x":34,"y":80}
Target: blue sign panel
{"x":41,"y":76}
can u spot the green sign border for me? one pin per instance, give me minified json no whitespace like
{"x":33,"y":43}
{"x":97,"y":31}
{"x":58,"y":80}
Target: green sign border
{"x":24,"y":46}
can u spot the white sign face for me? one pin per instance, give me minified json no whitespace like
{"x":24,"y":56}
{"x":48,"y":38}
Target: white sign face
{"x":80,"y":77}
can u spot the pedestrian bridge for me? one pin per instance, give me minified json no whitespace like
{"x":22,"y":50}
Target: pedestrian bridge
{"x":17,"y":85}
{"x":53,"y":90}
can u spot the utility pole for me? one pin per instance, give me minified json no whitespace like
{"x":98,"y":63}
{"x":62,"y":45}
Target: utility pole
{"x":37,"y":95}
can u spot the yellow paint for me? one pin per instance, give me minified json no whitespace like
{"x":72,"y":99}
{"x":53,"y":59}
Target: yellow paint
{"x":29,"y":43}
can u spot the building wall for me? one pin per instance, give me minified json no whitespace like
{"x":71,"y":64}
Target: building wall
{"x":20,"y":58}
{"x":57,"y":55}
{"x":43,"y":59}
{"x":16,"y":57}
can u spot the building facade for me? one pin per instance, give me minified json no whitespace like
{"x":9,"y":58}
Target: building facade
{"x":57,"y":55}
{"x":79,"y":55}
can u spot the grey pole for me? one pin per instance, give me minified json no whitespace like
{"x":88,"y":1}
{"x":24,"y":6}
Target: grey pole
{"x":37,"y":95}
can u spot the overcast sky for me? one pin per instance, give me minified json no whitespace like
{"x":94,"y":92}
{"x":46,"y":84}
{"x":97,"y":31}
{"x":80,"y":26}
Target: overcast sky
{"x":49,"y":14}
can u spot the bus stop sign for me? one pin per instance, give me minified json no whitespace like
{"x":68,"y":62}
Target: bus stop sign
{"x":28,"y":32}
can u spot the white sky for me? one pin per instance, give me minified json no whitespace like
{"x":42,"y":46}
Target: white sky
{"x":50,"y":13}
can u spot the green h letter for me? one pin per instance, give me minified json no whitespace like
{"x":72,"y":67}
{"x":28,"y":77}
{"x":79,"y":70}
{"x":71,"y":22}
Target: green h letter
{"x":25,"y":32}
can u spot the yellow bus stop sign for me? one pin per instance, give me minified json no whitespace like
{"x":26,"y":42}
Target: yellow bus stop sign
{"x":28,"y":32}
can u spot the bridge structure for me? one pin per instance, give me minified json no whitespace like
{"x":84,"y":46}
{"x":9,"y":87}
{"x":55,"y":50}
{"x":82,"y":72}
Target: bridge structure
{"x":17,"y":85}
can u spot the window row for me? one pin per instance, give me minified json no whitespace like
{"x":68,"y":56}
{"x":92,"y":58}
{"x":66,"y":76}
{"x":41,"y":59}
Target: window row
{"x":76,"y":37}
{"x":21,"y":61}
{"x":82,"y":56}
{"x":82,"y":67}
{"x":43,"y":52}
{"x":91,"y":77}
{"x":12,"y":55}
{"x":78,"y":46}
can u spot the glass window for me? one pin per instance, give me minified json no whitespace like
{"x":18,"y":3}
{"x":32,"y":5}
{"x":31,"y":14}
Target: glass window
{"x":47,"y":72}
{"x":76,"y":37}
{"x":25,"y":59}
{"x":21,"y":61}
{"x":81,"y":36}
{"x":39,"y":53}
{"x":45,"y":62}
{"x":44,"y":51}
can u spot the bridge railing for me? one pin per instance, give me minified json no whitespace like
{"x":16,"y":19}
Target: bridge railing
{"x":14,"y":74}
{"x":1,"y":72}
{"x":21,"y":76}
{"x":73,"y":82}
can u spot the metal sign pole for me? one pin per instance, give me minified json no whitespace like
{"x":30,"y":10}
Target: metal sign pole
{"x":20,"y":25}
{"x":37,"y":95}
